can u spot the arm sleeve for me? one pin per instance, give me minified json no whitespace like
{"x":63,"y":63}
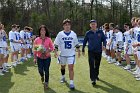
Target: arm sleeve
{"x":85,"y":42}
{"x":10,"y":37}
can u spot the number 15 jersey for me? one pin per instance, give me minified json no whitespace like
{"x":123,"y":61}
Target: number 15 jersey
{"x":66,"y":43}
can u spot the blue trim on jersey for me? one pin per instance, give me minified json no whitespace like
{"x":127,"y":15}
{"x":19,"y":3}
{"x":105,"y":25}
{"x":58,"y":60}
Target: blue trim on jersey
{"x":67,"y":33}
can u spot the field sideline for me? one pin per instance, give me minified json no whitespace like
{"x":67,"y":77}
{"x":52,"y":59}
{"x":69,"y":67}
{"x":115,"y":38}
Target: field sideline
{"x":25,"y":79}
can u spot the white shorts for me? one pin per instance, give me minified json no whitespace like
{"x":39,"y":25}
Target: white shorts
{"x":1,"y":51}
{"x":66,"y":60}
{"x":129,"y":51}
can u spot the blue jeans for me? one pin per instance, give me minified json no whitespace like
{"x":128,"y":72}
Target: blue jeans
{"x":43,"y":67}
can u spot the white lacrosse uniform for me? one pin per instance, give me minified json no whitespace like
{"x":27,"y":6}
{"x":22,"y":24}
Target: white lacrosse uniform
{"x":23,"y":35}
{"x":18,"y":38}
{"x":5,"y":49}
{"x":127,"y":43}
{"x":134,"y":36}
{"x":138,"y":41}
{"x":13,"y":37}
{"x":1,"y":42}
{"x":110,"y":35}
{"x":66,"y":43}
{"x":114,"y":42}
{"x":29,"y":43}
{"x":119,"y":38}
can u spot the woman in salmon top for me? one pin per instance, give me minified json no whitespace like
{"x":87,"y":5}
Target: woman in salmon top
{"x":42,"y":47}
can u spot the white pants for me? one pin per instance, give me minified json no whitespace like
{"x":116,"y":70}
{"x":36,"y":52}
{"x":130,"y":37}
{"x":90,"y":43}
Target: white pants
{"x":66,"y":60}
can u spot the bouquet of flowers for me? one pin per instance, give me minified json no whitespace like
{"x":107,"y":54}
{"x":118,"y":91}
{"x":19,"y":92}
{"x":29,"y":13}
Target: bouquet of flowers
{"x":40,"y":48}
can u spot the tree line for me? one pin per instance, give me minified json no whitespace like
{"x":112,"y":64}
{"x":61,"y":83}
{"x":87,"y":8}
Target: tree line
{"x":52,"y":12}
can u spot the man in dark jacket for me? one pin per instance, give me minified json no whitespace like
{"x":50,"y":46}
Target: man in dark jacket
{"x":95,"y":39}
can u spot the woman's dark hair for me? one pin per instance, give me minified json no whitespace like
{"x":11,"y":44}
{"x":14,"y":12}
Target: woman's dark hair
{"x":46,"y":29}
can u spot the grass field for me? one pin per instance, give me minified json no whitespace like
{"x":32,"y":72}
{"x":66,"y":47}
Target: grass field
{"x":25,"y":79}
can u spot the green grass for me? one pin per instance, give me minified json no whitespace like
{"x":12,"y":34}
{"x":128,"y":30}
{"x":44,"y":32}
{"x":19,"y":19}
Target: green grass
{"x":25,"y":79}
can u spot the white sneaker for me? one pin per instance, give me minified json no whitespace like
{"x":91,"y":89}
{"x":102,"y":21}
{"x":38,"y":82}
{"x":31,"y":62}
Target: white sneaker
{"x":1,"y":74}
{"x":136,"y":72}
{"x":137,"y":76}
{"x":5,"y":70}
{"x":112,"y":61}
{"x":138,"y":79}
{"x":118,"y":64}
{"x":14,"y":64}
{"x":128,"y":67}
{"x":108,"y":58}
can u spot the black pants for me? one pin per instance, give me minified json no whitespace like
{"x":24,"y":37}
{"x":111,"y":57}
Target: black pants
{"x":94,"y":64}
{"x":43,"y":67}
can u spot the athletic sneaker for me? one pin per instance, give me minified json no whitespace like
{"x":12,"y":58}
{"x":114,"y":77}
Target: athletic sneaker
{"x":14,"y":64}
{"x":112,"y":61}
{"x":138,"y":79}
{"x":108,"y":59}
{"x":137,"y":76}
{"x":118,"y":64}
{"x":5,"y":71}
{"x":62,"y":80}
{"x":136,"y":72}
{"x":128,"y":67}
{"x":72,"y":86}
{"x":134,"y":69}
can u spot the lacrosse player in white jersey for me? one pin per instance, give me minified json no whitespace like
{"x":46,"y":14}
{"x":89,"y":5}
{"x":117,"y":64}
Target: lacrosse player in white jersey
{"x":29,"y":43}
{"x":134,"y":32}
{"x":119,"y":42}
{"x":127,"y":45}
{"x":66,"y":41}
{"x":13,"y":44}
{"x":6,"y":52}
{"x":112,"y":43}
{"x":1,"y":50}
{"x":24,"y":37}
{"x":17,"y":34}
{"x":137,"y":44}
